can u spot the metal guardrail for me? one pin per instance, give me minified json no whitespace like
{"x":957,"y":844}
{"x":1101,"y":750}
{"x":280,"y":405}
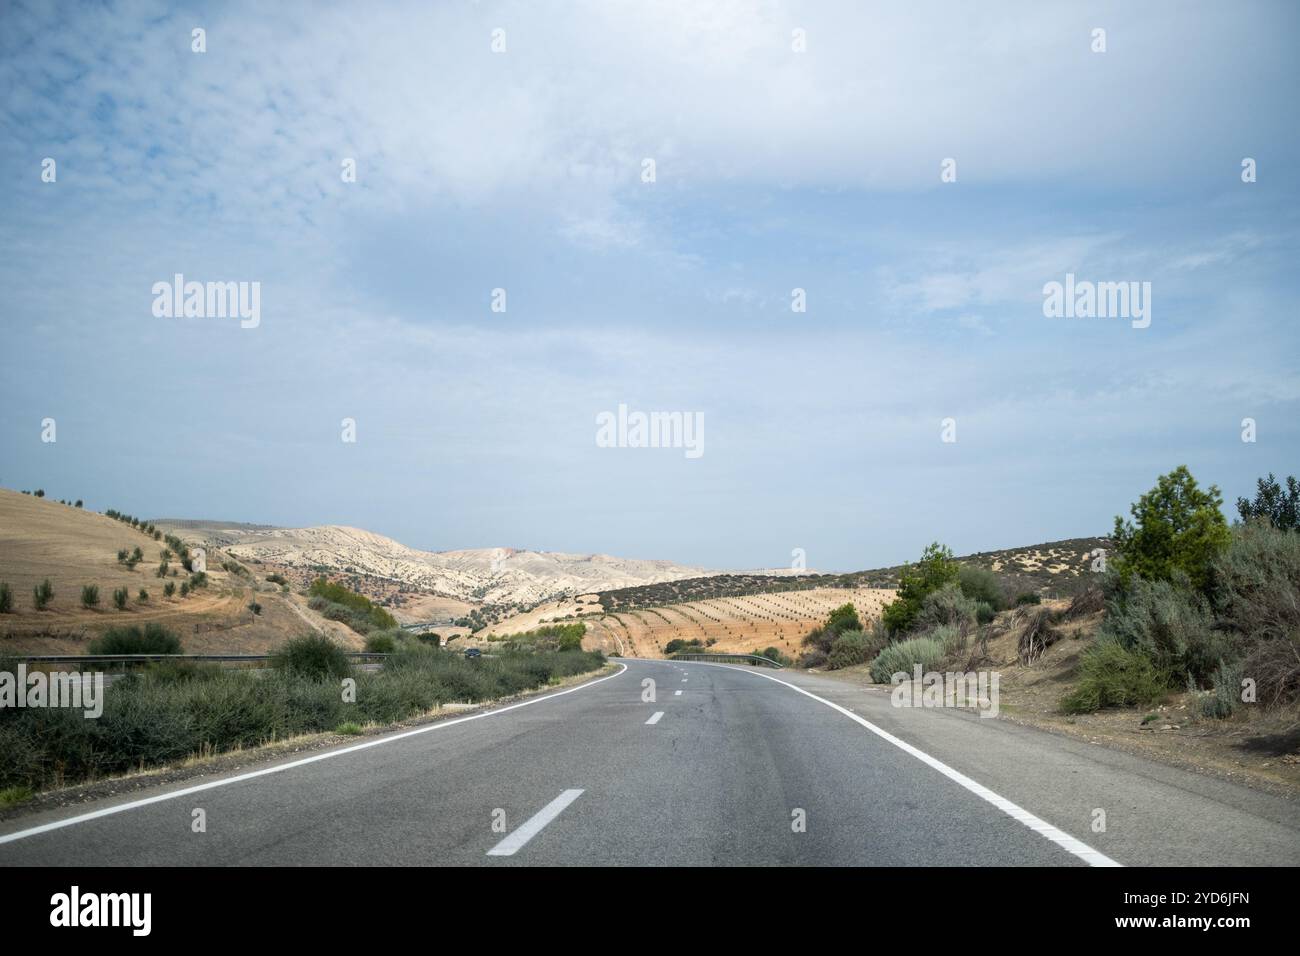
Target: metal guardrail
{"x":751,"y":659}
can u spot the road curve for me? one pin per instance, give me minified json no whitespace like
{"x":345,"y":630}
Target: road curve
{"x":725,"y":766}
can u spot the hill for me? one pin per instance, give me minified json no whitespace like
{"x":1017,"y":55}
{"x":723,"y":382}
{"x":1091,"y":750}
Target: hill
{"x":385,"y":568}
{"x":43,"y":539}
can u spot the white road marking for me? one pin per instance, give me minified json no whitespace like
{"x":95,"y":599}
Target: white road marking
{"x":684,"y":680}
{"x":1062,"y":839}
{"x":212,"y":785}
{"x":654,"y":718}
{"x":677,"y":693}
{"x":533,"y":825}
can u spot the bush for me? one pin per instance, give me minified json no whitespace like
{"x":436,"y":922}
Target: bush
{"x":42,"y":594}
{"x":153,"y":639}
{"x":1179,"y":530}
{"x":948,"y":605}
{"x":364,"y":617}
{"x":816,"y":657}
{"x":1114,"y":676}
{"x":984,"y":613}
{"x":981,"y":584}
{"x":850,"y":648}
{"x":935,"y":570}
{"x":904,"y":656}
{"x":1256,"y":583}
{"x":1170,"y":625}
{"x":89,"y":595}
{"x":143,"y":596}
{"x":314,"y":657}
{"x":381,"y":643}
{"x":120,"y":596}
{"x":255,"y":607}
{"x":6,"y":598}
{"x":185,"y":588}
{"x":1028,"y":597}
{"x":169,"y":589}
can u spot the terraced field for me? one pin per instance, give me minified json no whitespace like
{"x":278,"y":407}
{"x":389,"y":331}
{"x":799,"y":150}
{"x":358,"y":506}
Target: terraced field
{"x":737,"y":625}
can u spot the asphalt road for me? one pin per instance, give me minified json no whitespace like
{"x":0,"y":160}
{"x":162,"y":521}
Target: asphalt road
{"x":742,"y":766}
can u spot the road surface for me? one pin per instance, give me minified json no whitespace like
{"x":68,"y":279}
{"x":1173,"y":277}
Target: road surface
{"x":727,"y":765}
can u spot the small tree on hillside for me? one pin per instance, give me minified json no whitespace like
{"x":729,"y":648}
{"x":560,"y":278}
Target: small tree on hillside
{"x":935,"y":569}
{"x":89,"y":595}
{"x":42,"y":594}
{"x":1177,"y":529}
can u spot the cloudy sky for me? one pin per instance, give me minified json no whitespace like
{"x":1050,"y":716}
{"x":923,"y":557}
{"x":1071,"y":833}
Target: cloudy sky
{"x":774,"y":169}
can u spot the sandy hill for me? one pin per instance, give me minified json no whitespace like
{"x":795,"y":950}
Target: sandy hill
{"x":42,"y":539}
{"x":491,"y":576}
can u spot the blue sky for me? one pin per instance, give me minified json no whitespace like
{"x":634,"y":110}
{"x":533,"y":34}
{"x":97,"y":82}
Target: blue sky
{"x":774,"y":170}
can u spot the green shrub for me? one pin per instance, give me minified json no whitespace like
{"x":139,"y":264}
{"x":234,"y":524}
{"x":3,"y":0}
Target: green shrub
{"x":152,"y":639}
{"x":120,"y":596}
{"x":849,"y":648}
{"x":169,"y":589}
{"x":904,"y":656}
{"x":952,"y":637}
{"x":984,"y":612}
{"x":1179,"y":529}
{"x":381,"y":643}
{"x":6,"y":598}
{"x":89,"y":595}
{"x":366,"y":616}
{"x":255,"y":607}
{"x":312,"y":656}
{"x":143,"y":596}
{"x":348,"y":728}
{"x":981,"y":584}
{"x":1170,"y":624}
{"x":1112,"y":675}
{"x":948,"y":605}
{"x":42,"y":594}
{"x":1222,"y":699}
{"x":935,"y":570}
{"x":1028,"y":597}
{"x":185,"y":588}
{"x":1256,"y":583}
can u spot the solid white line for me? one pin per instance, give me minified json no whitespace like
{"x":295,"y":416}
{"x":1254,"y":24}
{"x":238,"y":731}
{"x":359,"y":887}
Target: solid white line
{"x":212,"y":785}
{"x":654,"y":718}
{"x":1062,"y":839}
{"x":533,"y":825}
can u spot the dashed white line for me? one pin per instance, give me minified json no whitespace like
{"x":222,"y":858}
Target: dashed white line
{"x":677,"y":693}
{"x":534,"y":824}
{"x":654,"y":718}
{"x":280,"y":768}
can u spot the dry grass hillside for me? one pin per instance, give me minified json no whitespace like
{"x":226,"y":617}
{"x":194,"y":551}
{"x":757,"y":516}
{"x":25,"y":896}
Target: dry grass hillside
{"x":41,"y":538}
